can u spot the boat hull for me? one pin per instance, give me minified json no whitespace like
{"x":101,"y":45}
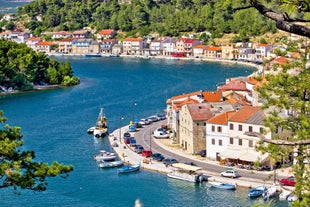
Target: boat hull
{"x":129,"y":168}
{"x":195,"y":178}
{"x":223,"y":186}
{"x":110,"y":164}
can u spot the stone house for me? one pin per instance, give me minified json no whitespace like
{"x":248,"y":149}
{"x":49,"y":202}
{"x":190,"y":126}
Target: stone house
{"x":133,"y":46}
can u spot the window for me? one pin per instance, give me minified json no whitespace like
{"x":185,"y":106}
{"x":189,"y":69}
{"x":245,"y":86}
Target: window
{"x":240,"y":127}
{"x":213,"y":128}
{"x":261,"y":130}
{"x":231,"y":126}
{"x":250,"y":129}
{"x":240,"y":142}
{"x":220,"y":142}
{"x":219,"y":129}
{"x":213,"y":141}
{"x":231,"y":140}
{"x":250,"y":143}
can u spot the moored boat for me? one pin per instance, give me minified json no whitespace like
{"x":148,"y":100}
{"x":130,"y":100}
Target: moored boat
{"x":101,"y":127}
{"x":186,"y":172}
{"x":224,"y":186}
{"x":105,"y":164}
{"x":129,"y":168}
{"x":93,"y":55}
{"x":256,"y":192}
{"x":105,"y":156}
{"x":270,"y":192}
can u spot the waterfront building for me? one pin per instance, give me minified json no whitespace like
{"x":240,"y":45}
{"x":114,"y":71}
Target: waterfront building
{"x":65,"y":45}
{"x":241,"y":147}
{"x":84,"y":46}
{"x":213,"y":52}
{"x":230,"y":52}
{"x":81,"y":34}
{"x":261,"y":51}
{"x":133,"y":46}
{"x":192,"y":126}
{"x":217,"y":137}
{"x":168,"y":46}
{"x":105,"y":34}
{"x":245,"y":52}
{"x":199,"y":51}
{"x":106,"y":46}
{"x":186,"y":46}
{"x":61,"y":35}
{"x":156,"y":47}
{"x":32,"y":41}
{"x":44,"y":47}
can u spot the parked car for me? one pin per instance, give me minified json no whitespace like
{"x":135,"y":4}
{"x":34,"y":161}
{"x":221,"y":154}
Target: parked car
{"x":190,"y":163}
{"x":169,"y":161}
{"x":147,"y":153}
{"x":154,"y":118}
{"x":230,"y":173}
{"x":161,"y":116}
{"x":128,"y":139}
{"x":126,"y":134}
{"x":202,"y":153}
{"x":158,"y":156}
{"x":144,"y":121}
{"x":161,"y":134}
{"x":290,"y":181}
{"x":139,"y":149}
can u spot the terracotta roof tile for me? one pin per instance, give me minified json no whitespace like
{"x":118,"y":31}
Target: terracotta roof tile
{"x":235,"y":85}
{"x":44,"y":43}
{"x":212,"y":48}
{"x":212,"y":96}
{"x":199,"y":112}
{"x":281,"y":60}
{"x":252,"y":80}
{"x":245,"y":113}
{"x":221,"y":118}
{"x":34,"y":39}
{"x":106,"y":32}
{"x":133,"y":39}
{"x":66,"y":40}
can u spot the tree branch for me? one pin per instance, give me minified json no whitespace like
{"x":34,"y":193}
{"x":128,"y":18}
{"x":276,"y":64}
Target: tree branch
{"x":278,"y":142}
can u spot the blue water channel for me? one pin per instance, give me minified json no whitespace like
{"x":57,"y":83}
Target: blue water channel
{"x":54,"y":124}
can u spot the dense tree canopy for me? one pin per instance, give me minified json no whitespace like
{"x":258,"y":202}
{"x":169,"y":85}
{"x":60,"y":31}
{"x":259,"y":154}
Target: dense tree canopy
{"x":21,"y":68}
{"x":169,"y":17}
{"x":18,"y":168}
{"x":289,"y":90}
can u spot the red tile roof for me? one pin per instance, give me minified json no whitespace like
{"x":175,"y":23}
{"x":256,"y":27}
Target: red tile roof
{"x":178,"y":104}
{"x":234,"y":85}
{"x":66,"y":40}
{"x":199,"y":112}
{"x":252,"y":80}
{"x":281,"y":60}
{"x":44,"y":43}
{"x":244,"y":114}
{"x":263,"y":45}
{"x":34,"y":39}
{"x":212,"y":48}
{"x":212,"y":96}
{"x":221,"y":118}
{"x":133,"y":39}
{"x":106,"y":32}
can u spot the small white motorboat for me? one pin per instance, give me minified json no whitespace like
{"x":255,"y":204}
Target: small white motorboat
{"x":224,"y":186}
{"x":270,"y":192}
{"x":105,"y":156}
{"x":283,"y":195}
{"x":105,"y":164}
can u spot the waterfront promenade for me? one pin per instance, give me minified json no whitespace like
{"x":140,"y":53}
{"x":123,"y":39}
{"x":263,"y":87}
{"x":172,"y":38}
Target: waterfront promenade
{"x":142,"y":136}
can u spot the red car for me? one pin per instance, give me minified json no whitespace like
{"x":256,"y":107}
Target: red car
{"x":290,"y":181}
{"x":147,"y":153}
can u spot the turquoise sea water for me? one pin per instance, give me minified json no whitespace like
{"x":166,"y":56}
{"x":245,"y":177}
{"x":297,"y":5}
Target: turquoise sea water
{"x":7,"y":6}
{"x":54,"y":124}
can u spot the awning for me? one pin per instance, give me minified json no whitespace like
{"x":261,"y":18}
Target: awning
{"x":231,"y":153}
{"x":186,"y":167}
{"x":248,"y":155}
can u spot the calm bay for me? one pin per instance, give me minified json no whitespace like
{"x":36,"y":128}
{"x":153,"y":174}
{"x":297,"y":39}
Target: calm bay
{"x":54,"y":124}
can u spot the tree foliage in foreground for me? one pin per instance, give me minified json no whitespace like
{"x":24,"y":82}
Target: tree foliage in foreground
{"x":21,"y":68}
{"x":18,"y":168}
{"x":285,"y":91}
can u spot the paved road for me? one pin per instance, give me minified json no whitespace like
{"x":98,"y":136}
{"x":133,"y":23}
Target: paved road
{"x":144,"y":137}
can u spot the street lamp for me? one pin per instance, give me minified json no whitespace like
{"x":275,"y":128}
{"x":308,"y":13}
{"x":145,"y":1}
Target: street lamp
{"x":133,"y":111}
{"x":120,"y":128}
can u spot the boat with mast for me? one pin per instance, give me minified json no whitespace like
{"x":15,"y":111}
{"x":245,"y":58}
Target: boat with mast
{"x":101,"y":127}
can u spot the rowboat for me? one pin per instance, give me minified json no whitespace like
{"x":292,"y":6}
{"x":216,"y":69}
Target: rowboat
{"x":129,"y":168}
{"x":224,"y":186}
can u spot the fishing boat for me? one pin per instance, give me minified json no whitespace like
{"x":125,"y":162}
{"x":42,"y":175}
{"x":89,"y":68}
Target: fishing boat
{"x":105,"y":156}
{"x":270,"y":192}
{"x":185,"y":172}
{"x":129,"y":168}
{"x":256,"y":192}
{"x":101,"y":127}
{"x":93,"y":55}
{"x":105,"y":164}
{"x":224,"y":186}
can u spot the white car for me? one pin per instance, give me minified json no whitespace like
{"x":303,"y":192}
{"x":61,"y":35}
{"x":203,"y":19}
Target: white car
{"x":161,"y":134}
{"x":230,"y":173}
{"x":144,"y":122}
